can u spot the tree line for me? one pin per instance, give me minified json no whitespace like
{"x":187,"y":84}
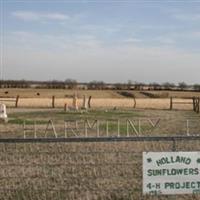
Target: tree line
{"x":97,"y":85}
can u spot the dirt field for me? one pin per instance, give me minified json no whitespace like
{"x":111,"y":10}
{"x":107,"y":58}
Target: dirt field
{"x":62,"y":93}
{"x":59,"y":93}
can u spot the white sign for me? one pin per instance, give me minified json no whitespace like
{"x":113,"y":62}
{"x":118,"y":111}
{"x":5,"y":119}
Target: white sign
{"x":171,"y":173}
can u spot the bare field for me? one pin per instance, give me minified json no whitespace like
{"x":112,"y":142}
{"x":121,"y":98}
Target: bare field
{"x":176,"y":94}
{"x":58,"y":93}
{"x":62,"y":93}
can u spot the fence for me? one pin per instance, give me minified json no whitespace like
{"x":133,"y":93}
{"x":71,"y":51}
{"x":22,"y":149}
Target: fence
{"x":14,"y":100}
{"x":82,"y":168}
{"x":196,"y":104}
{"x":116,"y":103}
{"x":194,"y":101}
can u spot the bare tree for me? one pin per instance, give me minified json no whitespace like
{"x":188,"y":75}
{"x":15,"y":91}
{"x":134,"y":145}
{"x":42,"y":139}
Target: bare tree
{"x":96,"y":85}
{"x":154,"y":86}
{"x":168,"y":86}
{"x":71,"y":83}
{"x":129,"y":84}
{"x":182,"y":85}
{"x":196,"y":87}
{"x":139,"y":86}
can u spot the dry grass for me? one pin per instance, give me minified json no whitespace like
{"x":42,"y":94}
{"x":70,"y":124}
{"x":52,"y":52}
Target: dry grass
{"x":176,"y":94}
{"x":61,"y":93}
{"x":88,"y":171}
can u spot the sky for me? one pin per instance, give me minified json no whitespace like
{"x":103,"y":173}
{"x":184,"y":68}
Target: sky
{"x":107,"y":40}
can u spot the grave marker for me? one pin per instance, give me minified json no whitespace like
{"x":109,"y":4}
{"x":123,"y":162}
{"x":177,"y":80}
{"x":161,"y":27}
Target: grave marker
{"x":3,"y":114}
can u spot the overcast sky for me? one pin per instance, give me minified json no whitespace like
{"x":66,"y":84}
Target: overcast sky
{"x":112,"y":41}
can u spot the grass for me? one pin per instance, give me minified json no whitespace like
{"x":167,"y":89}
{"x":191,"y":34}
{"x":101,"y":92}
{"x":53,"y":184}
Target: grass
{"x":20,"y":121}
{"x":41,"y":119}
{"x":73,"y":170}
{"x":113,"y":129}
{"x":61,"y":115}
{"x":171,"y":122}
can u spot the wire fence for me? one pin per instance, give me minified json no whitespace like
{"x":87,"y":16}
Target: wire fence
{"x":82,"y":168}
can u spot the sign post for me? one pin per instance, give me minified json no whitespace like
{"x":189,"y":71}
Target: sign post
{"x":171,"y":173}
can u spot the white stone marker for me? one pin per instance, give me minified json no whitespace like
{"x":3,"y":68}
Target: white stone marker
{"x":3,"y":115}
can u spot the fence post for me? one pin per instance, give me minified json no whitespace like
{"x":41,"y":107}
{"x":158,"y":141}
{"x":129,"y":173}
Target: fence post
{"x":174,"y":145}
{"x":97,"y":128}
{"x":53,"y":101}
{"x":139,"y":126}
{"x":118,"y":128}
{"x":65,"y":107}
{"x":127,"y":128}
{"x":187,"y":126}
{"x":35,"y":130}
{"x":16,"y":102}
{"x":89,"y":101}
{"x":171,"y":103}
{"x":85,"y":128}
{"x":65,"y":127}
{"x":196,"y":104}
{"x":134,"y":106}
{"x":193,"y":101}
{"x":24,"y":128}
{"x":107,"y":134}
